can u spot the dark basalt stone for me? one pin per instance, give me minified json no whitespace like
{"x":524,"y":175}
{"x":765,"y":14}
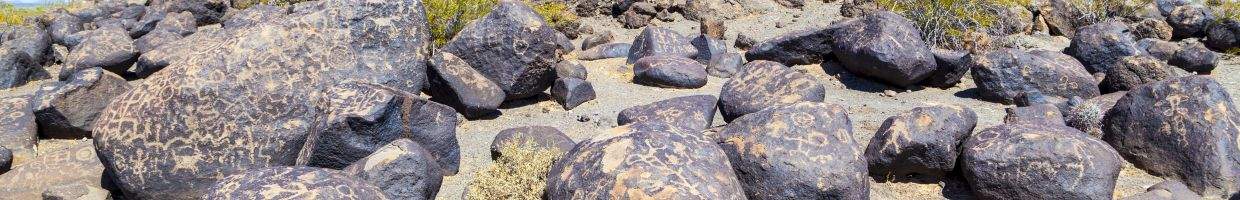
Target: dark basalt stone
{"x":669,"y":72}
{"x":1003,"y":75}
{"x":1131,"y":72}
{"x":402,"y":169}
{"x":656,"y":41}
{"x":1038,"y":161}
{"x":605,"y":51}
{"x":952,"y":66}
{"x":1101,"y":45}
{"x":299,"y":182}
{"x":1195,"y":57}
{"x":109,"y":48}
{"x":509,"y":48}
{"x":1046,"y":114}
{"x":921,"y":143}
{"x":18,"y":129}
{"x":455,"y":83}
{"x":688,"y":112}
{"x":802,"y":47}
{"x":885,"y":46}
{"x":572,"y":92}
{"x":764,"y":84}
{"x":68,"y":110}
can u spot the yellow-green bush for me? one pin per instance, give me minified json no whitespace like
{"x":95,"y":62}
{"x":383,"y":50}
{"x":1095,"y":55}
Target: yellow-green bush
{"x":946,"y":23}
{"x":447,"y":17}
{"x":521,"y":173}
{"x":1225,"y":9}
{"x":12,"y":15}
{"x":243,"y":4}
{"x":1100,"y":10}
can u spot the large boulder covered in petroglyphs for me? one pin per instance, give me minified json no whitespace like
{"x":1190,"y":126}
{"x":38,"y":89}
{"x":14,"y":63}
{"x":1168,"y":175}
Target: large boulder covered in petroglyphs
{"x":1133,"y":71}
{"x":765,"y":84}
{"x":109,"y":48}
{"x":360,"y":118}
{"x":1034,"y":114}
{"x":883,"y":45}
{"x":628,"y":162}
{"x":69,"y":109}
{"x":1003,"y":75}
{"x":246,"y":98}
{"x":1181,"y":129}
{"x":455,"y":83}
{"x":658,"y":41}
{"x":1038,"y":161}
{"x":513,"y":47}
{"x":689,"y":112}
{"x":781,"y":153}
{"x":76,"y":163}
{"x":923,"y":142}
{"x":402,"y":169}
{"x":294,"y":183}
{"x":1098,"y":47}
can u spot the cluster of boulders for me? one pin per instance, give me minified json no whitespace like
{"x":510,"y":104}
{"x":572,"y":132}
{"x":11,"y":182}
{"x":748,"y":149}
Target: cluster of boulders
{"x":183,"y":99}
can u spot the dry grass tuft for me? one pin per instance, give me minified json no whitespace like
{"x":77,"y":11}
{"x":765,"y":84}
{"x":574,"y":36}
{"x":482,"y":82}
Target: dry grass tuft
{"x":946,"y":23}
{"x":521,"y":173}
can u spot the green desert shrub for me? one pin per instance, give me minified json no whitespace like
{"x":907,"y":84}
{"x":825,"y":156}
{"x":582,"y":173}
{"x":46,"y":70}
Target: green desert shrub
{"x":1094,"y":11}
{"x":521,"y":173}
{"x":447,"y":17}
{"x":946,"y":23}
{"x":1225,"y":9}
{"x":12,"y":15}
{"x":243,"y":4}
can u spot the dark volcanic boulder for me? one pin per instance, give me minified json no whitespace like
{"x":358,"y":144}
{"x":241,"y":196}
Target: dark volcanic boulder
{"x":1181,"y":129}
{"x":1003,"y":75}
{"x":181,"y":23}
{"x":109,"y":48}
{"x":779,"y":153}
{"x":1189,"y":21}
{"x":75,"y":191}
{"x":802,"y":47}
{"x":232,"y":100}
{"x":765,"y":84}
{"x":1195,"y":57}
{"x":1046,"y":114}
{"x":923,"y":142}
{"x":544,"y":137}
{"x":1151,"y":28}
{"x":293,"y":182}
{"x":605,"y":51}
{"x":725,"y":66}
{"x":254,"y":15}
{"x":1166,"y":190}
{"x":455,"y":83}
{"x":401,"y":169}
{"x":570,"y":69}
{"x":886,"y":46}
{"x":75,"y":163}
{"x":1163,"y":50}
{"x":1038,"y":161}
{"x":148,"y":42}
{"x":708,"y":48}
{"x":1100,"y":45}
{"x":513,"y":47}
{"x":68,"y":110}
{"x":63,"y":28}
{"x":1130,"y":72}
{"x":18,"y":130}
{"x":32,"y":40}
{"x":205,"y":11}
{"x":572,"y":92}
{"x":647,"y":163}
{"x":656,"y":41}
{"x":362,"y":118}
{"x":16,"y":68}
{"x":669,"y":72}
{"x":6,"y":159}
{"x":693,"y":113}
{"x":1224,"y":36}
{"x":952,"y":66}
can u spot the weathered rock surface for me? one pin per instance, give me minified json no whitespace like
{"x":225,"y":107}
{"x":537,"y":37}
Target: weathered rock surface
{"x":886,"y":46}
{"x":513,"y":47}
{"x":572,"y":92}
{"x":1163,"y":50}
{"x":1003,"y":75}
{"x":1100,"y":45}
{"x":68,"y":110}
{"x":18,"y":129}
{"x":1038,"y":161}
{"x":75,"y":191}
{"x":1195,"y":57}
{"x":1046,"y":114}
{"x":952,"y":66}
{"x":605,"y":51}
{"x":206,"y":117}
{"x":205,"y":11}
{"x":571,"y":69}
{"x":597,"y":39}
{"x":402,"y":169}
{"x":725,"y":66}
{"x":777,"y":153}
{"x":802,"y":47}
{"x":181,"y":23}
{"x":1224,"y":36}
{"x":63,"y":28}
{"x":75,"y":164}
{"x":109,"y":48}
{"x":544,"y":137}
{"x":643,"y":163}
{"x":1133,"y":71}
{"x":1181,"y":129}
{"x":293,"y":182}
{"x":765,"y":84}
{"x":16,"y":68}
{"x":923,"y":142}
{"x":6,"y":159}
{"x":1166,"y":190}
{"x":455,"y":83}
{"x":1189,"y":21}
{"x":708,"y":48}
{"x":150,"y":41}
{"x":669,"y":72}
{"x":1150,"y":28}
{"x":656,"y":41}
{"x":688,"y":112}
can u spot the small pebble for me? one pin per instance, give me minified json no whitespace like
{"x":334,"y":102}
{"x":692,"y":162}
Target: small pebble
{"x":889,"y":93}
